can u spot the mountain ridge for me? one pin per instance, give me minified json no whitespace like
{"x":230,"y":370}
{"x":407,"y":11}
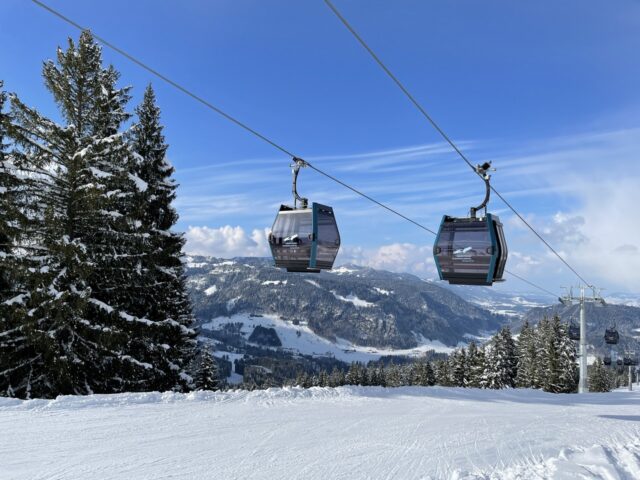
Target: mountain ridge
{"x":363,"y":305}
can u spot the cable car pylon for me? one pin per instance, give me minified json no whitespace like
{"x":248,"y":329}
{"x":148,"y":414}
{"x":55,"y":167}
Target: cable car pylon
{"x":582,"y":299}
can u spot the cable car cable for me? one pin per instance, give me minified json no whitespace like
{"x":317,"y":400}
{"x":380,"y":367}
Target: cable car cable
{"x":438,"y":129}
{"x":165,"y":79}
{"x":222,"y":112}
{"x":266,"y":139}
{"x":531,"y":283}
{"x":371,"y":199}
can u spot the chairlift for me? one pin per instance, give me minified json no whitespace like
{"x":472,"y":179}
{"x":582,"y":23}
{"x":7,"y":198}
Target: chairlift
{"x":472,"y":250}
{"x":303,"y":238}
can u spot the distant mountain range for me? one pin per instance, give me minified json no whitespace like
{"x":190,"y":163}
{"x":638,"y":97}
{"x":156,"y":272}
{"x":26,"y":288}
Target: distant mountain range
{"x":363,"y":311}
{"x":503,"y":303}
{"x":360,"y":305}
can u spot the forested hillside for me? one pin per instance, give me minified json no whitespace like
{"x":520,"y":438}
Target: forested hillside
{"x":365,"y":306}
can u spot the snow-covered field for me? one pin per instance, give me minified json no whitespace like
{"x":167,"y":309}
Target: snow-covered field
{"x":323,"y":433}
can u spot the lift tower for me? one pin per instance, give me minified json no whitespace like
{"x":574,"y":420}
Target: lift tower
{"x":582,"y":299}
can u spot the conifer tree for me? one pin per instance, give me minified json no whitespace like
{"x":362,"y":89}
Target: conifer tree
{"x":501,"y":361}
{"x":569,"y":374}
{"x":323,"y":379}
{"x":83,"y":332}
{"x":599,"y":380}
{"x":393,"y":377}
{"x":337,"y":378}
{"x":13,"y":222}
{"x":161,"y":294}
{"x":7,"y":226}
{"x":476,"y":365}
{"x":424,"y":375}
{"x":527,"y":359}
{"x":354,"y":375}
{"x":381,"y":374}
{"x":441,"y":369}
{"x":549,"y":332}
{"x":428,"y":377}
{"x":207,"y":376}
{"x":458,"y":368}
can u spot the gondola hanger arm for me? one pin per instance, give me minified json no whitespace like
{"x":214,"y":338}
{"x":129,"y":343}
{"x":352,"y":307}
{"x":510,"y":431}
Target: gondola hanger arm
{"x":483,"y":172}
{"x":297,"y":164}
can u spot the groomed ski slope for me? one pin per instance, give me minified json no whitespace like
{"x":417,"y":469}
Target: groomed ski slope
{"x":324,"y":433}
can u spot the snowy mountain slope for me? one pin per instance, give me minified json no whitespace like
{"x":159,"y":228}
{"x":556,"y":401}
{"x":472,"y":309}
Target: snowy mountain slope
{"x":300,"y":339}
{"x":320,"y":433}
{"x":361,"y":305}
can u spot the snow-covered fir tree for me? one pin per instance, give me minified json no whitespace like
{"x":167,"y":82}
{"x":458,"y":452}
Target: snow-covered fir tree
{"x":12,"y":268}
{"x":599,"y":380}
{"x":501,"y":361}
{"x":337,"y":378}
{"x":393,"y":377}
{"x":161,"y":294}
{"x":458,"y":368}
{"x":207,"y":374}
{"x":323,"y":379}
{"x":83,"y":332}
{"x":354,"y":375}
{"x":442,"y":373}
{"x":476,"y":365}
{"x":556,"y":357}
{"x":527,"y":360}
{"x":424,"y":374}
{"x":6,"y":228}
{"x":569,"y":372}
{"x":549,"y":360}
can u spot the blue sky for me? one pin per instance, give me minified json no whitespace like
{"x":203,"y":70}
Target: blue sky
{"x":547,"y":90}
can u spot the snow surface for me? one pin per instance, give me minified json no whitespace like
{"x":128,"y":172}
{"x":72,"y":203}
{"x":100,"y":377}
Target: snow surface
{"x":211,"y":290}
{"x":274,"y":282}
{"x":382,"y":291}
{"x":310,"y":343}
{"x":324,"y":433}
{"x":351,"y":298}
{"x":313,"y":282}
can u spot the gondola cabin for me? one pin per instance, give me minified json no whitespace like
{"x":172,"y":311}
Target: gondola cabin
{"x":607,"y":361}
{"x":305,"y":239}
{"x":611,"y":336}
{"x":470,"y":251}
{"x":574,"y":331}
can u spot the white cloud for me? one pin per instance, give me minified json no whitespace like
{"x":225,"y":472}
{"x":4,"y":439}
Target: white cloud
{"x":395,"y":257}
{"x":565,"y":229}
{"x":521,"y":263}
{"x":613,"y":232}
{"x":226,"y":242}
{"x":600,"y":238}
